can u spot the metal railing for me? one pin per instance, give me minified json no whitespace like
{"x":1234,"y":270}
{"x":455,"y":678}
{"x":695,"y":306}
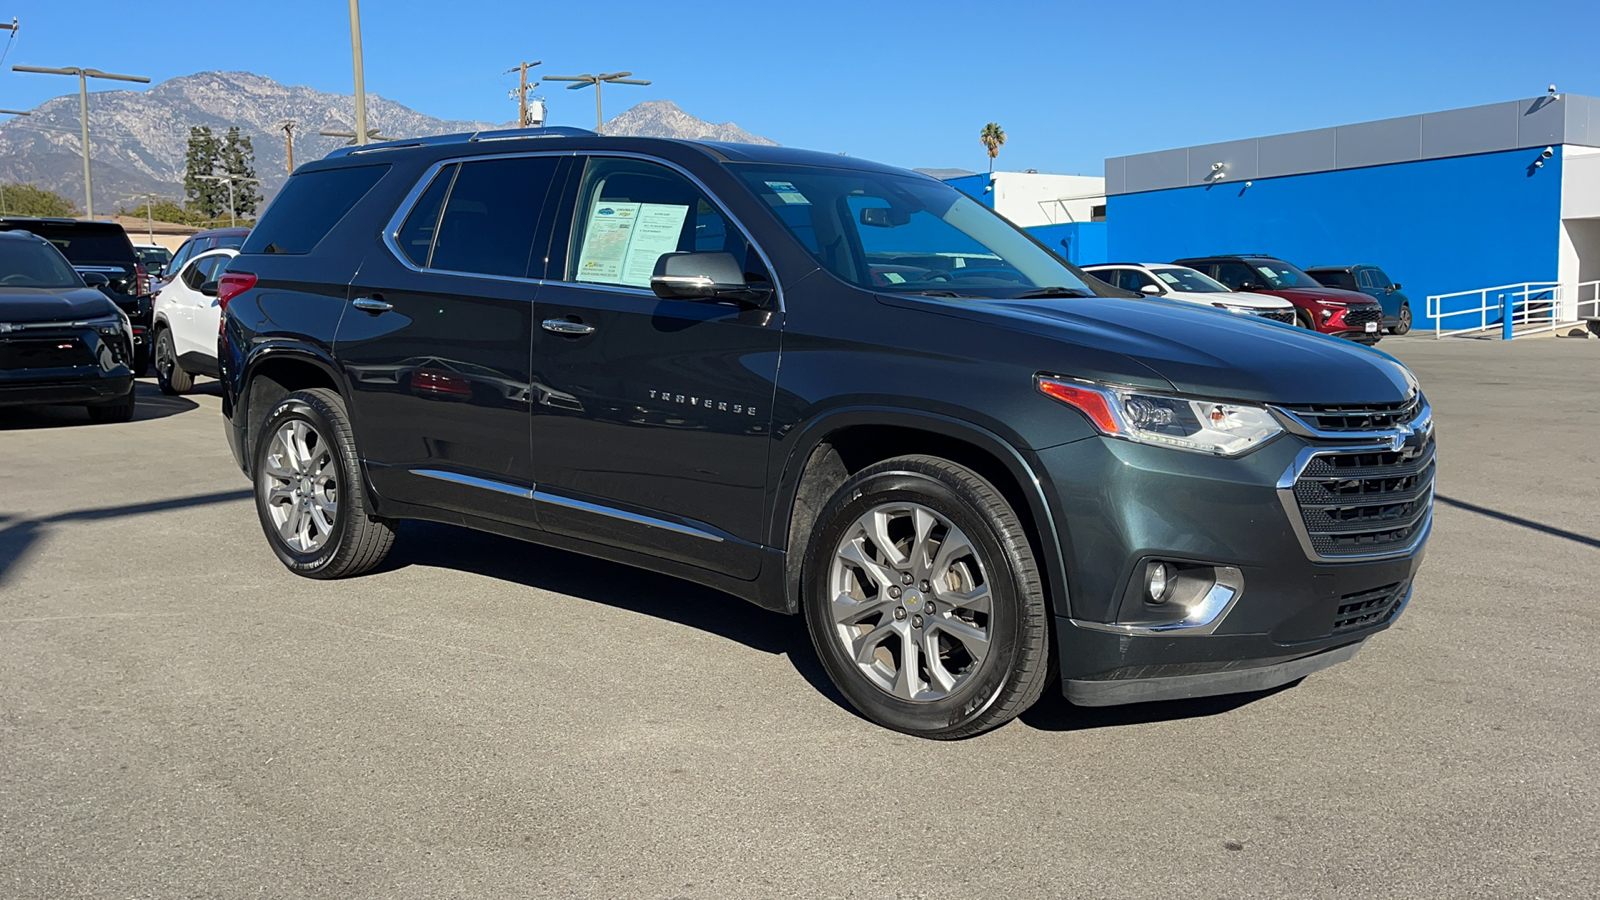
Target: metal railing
{"x":1532,"y":307}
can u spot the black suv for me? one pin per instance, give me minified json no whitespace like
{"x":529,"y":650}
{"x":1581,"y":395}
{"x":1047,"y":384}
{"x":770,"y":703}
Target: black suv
{"x":831,"y":387}
{"x":101,"y":248}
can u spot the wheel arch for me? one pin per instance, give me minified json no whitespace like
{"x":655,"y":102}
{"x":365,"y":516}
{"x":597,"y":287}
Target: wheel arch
{"x":273,"y":372}
{"x":842,"y":442}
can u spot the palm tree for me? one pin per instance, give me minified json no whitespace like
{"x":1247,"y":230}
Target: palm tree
{"x":993,"y":138}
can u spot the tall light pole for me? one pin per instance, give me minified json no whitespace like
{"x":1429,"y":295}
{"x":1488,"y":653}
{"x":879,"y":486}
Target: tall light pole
{"x":361,"y":77}
{"x":522,"y":92}
{"x":596,"y":80}
{"x":230,"y":179}
{"x":83,"y":112}
{"x":8,"y":112}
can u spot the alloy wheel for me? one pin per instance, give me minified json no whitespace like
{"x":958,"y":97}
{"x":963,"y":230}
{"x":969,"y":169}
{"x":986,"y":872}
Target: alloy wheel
{"x":910,"y":601}
{"x":300,"y":481}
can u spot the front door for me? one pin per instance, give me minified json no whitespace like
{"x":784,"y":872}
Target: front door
{"x":652,"y":417}
{"x":436,"y":342}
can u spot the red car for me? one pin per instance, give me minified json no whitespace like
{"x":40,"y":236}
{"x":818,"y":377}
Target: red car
{"x":1347,"y":314}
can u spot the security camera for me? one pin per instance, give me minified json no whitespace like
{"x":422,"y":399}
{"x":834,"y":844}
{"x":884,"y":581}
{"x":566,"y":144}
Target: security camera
{"x":1538,"y":164}
{"x":1548,"y":152}
{"x":1216,"y":167}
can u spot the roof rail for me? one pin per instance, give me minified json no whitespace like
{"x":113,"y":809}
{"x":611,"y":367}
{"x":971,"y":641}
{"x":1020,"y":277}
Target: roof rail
{"x":505,"y":134}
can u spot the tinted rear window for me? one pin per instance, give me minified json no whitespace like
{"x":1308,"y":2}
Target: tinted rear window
{"x":1336,"y":279}
{"x":308,"y":207}
{"x":92,"y":244}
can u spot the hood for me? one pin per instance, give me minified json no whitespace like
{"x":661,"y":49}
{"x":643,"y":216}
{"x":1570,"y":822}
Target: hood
{"x":1322,"y":295}
{"x":1205,"y":352}
{"x":1238,"y":298}
{"x":31,"y":304}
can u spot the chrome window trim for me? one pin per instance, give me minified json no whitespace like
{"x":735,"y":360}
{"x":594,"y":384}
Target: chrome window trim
{"x":1291,"y":507}
{"x":1210,"y":611}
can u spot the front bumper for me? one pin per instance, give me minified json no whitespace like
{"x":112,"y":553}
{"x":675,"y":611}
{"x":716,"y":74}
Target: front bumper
{"x":1133,"y":503}
{"x":69,"y":365}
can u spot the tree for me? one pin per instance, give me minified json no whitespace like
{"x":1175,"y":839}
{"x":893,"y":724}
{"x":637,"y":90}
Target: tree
{"x":238,"y":159}
{"x":165,"y":211}
{"x":993,"y":137}
{"x":32,"y":200}
{"x":207,"y":199}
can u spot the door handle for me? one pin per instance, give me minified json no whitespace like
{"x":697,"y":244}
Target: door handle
{"x":372,"y":305}
{"x":562,"y":326}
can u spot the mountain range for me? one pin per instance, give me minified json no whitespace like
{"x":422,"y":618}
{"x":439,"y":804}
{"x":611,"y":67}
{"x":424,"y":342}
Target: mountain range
{"x":138,"y":139}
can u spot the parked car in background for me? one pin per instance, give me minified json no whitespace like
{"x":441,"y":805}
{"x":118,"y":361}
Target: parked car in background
{"x":1189,"y":286}
{"x":968,"y":481}
{"x":1346,"y":314}
{"x":61,"y":340}
{"x":1372,"y":281}
{"x":185,"y":317}
{"x":101,"y":248}
{"x":200,"y":242}
{"x":154,"y":258}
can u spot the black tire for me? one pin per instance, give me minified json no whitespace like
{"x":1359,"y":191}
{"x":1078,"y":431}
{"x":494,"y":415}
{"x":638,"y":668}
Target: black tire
{"x":170,"y":374}
{"x":356,"y":541}
{"x":116,"y":411}
{"x":1402,"y":322}
{"x":989,"y":691}
{"x":1303,"y":319}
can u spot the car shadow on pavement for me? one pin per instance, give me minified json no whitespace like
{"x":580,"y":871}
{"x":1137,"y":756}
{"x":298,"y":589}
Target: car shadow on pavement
{"x":152,"y":404}
{"x":613,"y":584}
{"x":1054,"y":713}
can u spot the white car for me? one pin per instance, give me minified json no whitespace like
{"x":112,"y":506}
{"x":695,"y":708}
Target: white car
{"x":185,"y":317}
{"x":1185,"y":284}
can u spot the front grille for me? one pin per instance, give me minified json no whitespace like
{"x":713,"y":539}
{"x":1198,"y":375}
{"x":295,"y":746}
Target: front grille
{"x":1358,"y":416}
{"x":1366,"y":502}
{"x":1361,"y":315}
{"x":43,"y":353}
{"x":1365,"y":609}
{"x":1286,"y":316}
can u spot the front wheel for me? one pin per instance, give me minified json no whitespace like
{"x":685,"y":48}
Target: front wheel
{"x":924,"y":600}
{"x":309,"y":493}
{"x":117,"y":411}
{"x":170,"y":374}
{"x":1303,"y":319}
{"x":1402,"y":322}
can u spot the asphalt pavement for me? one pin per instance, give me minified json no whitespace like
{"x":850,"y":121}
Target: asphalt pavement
{"x":181,"y":717}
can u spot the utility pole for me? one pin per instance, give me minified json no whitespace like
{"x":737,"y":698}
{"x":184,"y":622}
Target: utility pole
{"x":9,"y":112}
{"x":233,"y":221}
{"x":288,"y":140}
{"x":83,"y":111}
{"x":361,"y":79}
{"x":522,"y":92}
{"x":596,"y":80}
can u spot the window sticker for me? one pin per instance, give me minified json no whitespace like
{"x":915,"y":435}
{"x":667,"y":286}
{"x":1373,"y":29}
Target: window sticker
{"x":624,"y":240}
{"x":1168,"y":277}
{"x":788,"y":193}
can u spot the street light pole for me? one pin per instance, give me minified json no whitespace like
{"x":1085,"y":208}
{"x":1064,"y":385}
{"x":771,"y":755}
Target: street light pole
{"x":233,"y":221}
{"x":83,"y":111}
{"x":585,"y":80}
{"x":361,"y":86}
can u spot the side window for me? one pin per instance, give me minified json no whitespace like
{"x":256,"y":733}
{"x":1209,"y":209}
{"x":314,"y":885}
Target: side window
{"x":491,"y":214}
{"x":308,"y":207}
{"x":1234,"y":274}
{"x":1138,"y":281}
{"x":1379,"y":280}
{"x":415,"y":237}
{"x":631,"y":212}
{"x":1364,"y":278}
{"x":200,"y":272}
{"x":181,"y":257}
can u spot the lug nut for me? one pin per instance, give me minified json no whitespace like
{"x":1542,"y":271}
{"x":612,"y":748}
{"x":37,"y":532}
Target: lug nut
{"x":916,"y":621}
{"x":926,"y":587}
{"x":899,"y":612}
{"x":894,"y":592}
{"x":905,"y":578}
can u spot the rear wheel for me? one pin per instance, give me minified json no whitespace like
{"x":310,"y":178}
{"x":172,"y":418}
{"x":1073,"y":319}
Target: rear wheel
{"x":170,"y":375}
{"x":309,"y":493}
{"x":1402,"y":322}
{"x":924,"y":601}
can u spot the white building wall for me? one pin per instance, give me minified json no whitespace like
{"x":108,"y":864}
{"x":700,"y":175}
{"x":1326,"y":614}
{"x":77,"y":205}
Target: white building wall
{"x":1579,"y":259}
{"x":1035,"y":198}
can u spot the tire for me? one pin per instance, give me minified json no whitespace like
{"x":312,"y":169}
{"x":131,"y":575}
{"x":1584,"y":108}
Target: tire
{"x":170,"y":376}
{"x":310,"y":497}
{"x":114,"y":412}
{"x":988,"y":666}
{"x":1402,"y":322}
{"x":1303,"y":320}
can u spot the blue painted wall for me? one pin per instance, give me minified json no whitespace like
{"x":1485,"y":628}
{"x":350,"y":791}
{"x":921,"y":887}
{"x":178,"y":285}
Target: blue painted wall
{"x":1082,"y":243}
{"x":1435,"y":226}
{"x":973,"y":186}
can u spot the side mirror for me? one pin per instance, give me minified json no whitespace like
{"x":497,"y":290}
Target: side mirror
{"x":884,"y":217}
{"x":1394,"y":287}
{"x":95,"y":279}
{"x":153,"y":270}
{"x":209,"y":288}
{"x":713,"y":276}
{"x":1248,"y":286}
{"x":1152,"y":290}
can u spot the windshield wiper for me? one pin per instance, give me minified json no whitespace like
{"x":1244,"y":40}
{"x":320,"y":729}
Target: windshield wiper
{"x":1053,"y":291}
{"x":938,"y":293}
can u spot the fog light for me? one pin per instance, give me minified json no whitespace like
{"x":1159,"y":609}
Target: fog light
{"x":1327,"y":314}
{"x":1158,"y":582}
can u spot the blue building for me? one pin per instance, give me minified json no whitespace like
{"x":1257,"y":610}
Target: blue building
{"x":1501,"y":194}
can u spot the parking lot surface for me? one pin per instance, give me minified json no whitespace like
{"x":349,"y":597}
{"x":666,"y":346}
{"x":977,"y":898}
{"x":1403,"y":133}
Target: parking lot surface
{"x":180,"y":716}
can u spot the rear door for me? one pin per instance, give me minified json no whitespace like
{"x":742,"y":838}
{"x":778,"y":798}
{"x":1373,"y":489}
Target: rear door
{"x":652,"y":417}
{"x":192,"y":315}
{"x":437,"y":339}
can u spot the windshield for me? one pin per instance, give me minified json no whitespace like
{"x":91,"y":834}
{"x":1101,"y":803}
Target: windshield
{"x":1189,"y":281}
{"x":1280,"y":274}
{"x":28,"y":263}
{"x":159,"y":255}
{"x":905,"y":234}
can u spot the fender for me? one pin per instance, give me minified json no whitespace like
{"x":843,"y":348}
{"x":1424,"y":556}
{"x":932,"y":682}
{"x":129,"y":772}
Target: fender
{"x":236,"y":389}
{"x":806,"y":441}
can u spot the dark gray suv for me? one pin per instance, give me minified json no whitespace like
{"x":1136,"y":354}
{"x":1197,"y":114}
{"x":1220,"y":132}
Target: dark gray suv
{"x":834,"y":388}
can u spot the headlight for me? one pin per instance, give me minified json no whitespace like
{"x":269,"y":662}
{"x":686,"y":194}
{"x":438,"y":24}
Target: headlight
{"x":1203,"y":426}
{"x":1241,"y":310}
{"x":116,"y":323}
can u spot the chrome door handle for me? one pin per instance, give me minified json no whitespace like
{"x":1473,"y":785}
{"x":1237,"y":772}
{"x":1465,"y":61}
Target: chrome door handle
{"x":562,"y":326}
{"x":371,"y":304}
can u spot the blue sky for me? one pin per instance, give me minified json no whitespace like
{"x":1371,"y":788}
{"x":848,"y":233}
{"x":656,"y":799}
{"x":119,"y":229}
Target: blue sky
{"x":907,"y":83}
